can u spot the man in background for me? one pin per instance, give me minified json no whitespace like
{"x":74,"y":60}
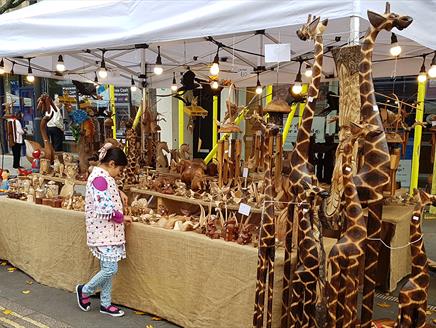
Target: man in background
{"x":15,"y":135}
{"x":55,"y":129}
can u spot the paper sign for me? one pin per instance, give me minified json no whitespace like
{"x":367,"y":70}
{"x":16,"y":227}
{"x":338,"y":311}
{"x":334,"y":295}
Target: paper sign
{"x":245,"y":172}
{"x":244,"y":209}
{"x":275,"y":53}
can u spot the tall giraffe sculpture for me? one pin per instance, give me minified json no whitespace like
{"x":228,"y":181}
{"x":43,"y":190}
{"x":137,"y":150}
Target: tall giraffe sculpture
{"x":301,"y":169}
{"x":373,"y":176}
{"x":347,"y":254}
{"x":266,"y":251}
{"x":414,"y":294}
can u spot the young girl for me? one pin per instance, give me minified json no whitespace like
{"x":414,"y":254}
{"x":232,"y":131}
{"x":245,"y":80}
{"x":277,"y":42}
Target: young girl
{"x":105,"y":227}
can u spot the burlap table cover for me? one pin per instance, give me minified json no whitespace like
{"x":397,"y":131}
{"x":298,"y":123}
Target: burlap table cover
{"x":185,"y":278}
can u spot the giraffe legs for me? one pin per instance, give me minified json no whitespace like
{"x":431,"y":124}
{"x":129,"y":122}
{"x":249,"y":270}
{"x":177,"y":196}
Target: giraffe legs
{"x":260,"y":289}
{"x":350,"y":306}
{"x":333,"y":291}
{"x":287,"y":268}
{"x":270,"y":262}
{"x":296,"y":307}
{"x":371,"y":259}
{"x":341,"y":297}
{"x":421,"y":317}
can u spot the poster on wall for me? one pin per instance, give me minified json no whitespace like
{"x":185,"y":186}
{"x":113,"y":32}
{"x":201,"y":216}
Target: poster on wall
{"x":404,"y":172}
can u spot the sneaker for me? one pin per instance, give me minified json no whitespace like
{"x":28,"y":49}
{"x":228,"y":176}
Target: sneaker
{"x":82,"y":299}
{"x":112,"y":311}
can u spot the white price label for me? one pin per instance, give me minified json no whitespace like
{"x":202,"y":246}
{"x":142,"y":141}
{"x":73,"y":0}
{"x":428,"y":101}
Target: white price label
{"x":245,"y":172}
{"x":310,"y":99}
{"x":416,"y":218}
{"x":375,"y":108}
{"x":433,"y":123}
{"x":244,"y":209}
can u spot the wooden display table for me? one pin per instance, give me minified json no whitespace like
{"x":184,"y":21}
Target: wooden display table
{"x":183,"y":277}
{"x":169,"y":200}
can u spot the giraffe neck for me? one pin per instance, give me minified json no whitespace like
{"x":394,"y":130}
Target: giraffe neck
{"x":367,"y":96}
{"x":304,"y":131}
{"x":419,"y":258}
{"x":354,"y":216}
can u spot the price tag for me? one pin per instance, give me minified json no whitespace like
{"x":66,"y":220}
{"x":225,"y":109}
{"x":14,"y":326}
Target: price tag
{"x":244,"y":209}
{"x":310,"y":99}
{"x":416,"y":218}
{"x":433,"y":123}
{"x":245,"y":172}
{"x":375,"y":108}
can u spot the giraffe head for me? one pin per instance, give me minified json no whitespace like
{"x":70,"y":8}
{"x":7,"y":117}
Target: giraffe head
{"x":388,"y":20}
{"x":422,"y":198}
{"x":312,"y":28}
{"x":313,"y":190}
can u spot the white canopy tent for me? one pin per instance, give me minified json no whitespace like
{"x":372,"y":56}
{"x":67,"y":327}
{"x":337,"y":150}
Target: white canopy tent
{"x":80,"y":29}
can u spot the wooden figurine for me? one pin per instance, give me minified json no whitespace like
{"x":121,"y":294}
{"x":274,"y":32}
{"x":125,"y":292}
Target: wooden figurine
{"x":132,"y":169}
{"x":71,"y":170}
{"x":161,"y":158}
{"x":44,"y":166}
{"x":301,"y":175}
{"x":46,"y":105}
{"x":373,"y":176}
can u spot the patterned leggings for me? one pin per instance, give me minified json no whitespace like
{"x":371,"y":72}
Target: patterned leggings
{"x":102,"y":279}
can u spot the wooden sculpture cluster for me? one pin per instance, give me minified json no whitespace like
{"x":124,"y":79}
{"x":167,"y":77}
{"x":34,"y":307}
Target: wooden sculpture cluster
{"x":304,"y":283}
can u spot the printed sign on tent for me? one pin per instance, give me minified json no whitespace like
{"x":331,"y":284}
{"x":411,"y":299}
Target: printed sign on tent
{"x":276,"y":53}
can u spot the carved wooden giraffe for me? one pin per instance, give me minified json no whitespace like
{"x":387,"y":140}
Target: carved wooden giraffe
{"x":301,"y":169}
{"x":414,"y":294}
{"x":266,"y":252}
{"x":374,"y":174}
{"x":347,"y":253}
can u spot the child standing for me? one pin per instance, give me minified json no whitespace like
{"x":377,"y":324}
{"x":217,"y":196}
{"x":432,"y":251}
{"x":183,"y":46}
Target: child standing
{"x":105,"y":227}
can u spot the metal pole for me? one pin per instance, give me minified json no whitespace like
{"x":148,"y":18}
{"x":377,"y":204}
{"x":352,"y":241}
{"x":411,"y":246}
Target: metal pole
{"x":355,"y":24}
{"x":417,"y":137}
{"x":214,"y":123}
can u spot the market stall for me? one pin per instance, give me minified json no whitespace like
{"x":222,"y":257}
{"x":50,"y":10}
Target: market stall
{"x":244,"y":228}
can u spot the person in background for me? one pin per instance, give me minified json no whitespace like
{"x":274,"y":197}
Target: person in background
{"x":16,"y":134}
{"x":55,"y":129}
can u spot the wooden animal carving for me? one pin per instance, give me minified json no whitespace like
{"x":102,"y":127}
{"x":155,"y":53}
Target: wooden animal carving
{"x":161,"y":158}
{"x":414,"y":294}
{"x":373,"y":176}
{"x":302,"y":171}
{"x":132,"y":168}
{"x":46,"y":105}
{"x":192,"y":173}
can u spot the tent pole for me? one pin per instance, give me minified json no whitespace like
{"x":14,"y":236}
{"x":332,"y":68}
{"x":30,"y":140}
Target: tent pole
{"x":269,"y":90}
{"x":214,"y":123}
{"x":181,"y":123}
{"x":417,"y":137}
{"x":433,"y":184}
{"x":355,"y":24}
{"x":114,"y":116}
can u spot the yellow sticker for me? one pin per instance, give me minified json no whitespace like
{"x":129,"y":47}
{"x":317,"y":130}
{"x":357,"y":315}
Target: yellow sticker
{"x":4,"y":263}
{"x":139,"y":313}
{"x":12,"y":269}
{"x":384,"y":305}
{"x":156,"y":319}
{"x":29,"y":282}
{"x":7,"y":312}
{"x":26,"y":292}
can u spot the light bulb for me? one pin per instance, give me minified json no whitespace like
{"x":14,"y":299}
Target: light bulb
{"x":158,"y":70}
{"x":432,"y":71}
{"x":297,"y":88}
{"x":30,"y":78}
{"x":259,"y":89}
{"x":60,"y":66}
{"x":308,"y":73}
{"x":102,"y":73}
{"x":422,"y":77}
{"x":174,"y":87}
{"x":214,"y":85}
{"x":215,"y":69}
{"x":133,"y":88}
{"x":395,"y":50}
